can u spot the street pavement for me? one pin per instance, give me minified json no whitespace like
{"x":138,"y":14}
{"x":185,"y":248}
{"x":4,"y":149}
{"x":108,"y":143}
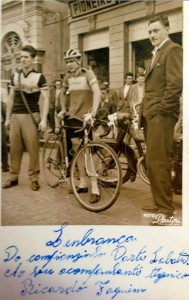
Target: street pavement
{"x":53,"y":206}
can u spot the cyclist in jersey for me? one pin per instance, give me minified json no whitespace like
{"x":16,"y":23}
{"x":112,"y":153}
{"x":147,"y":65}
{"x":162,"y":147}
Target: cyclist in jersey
{"x":84,"y":97}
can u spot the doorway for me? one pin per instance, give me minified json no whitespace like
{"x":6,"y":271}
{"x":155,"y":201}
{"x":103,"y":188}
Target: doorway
{"x":98,"y":61}
{"x":142,"y":50}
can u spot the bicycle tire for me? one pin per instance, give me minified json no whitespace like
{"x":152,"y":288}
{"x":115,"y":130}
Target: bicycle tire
{"x":52,"y":157}
{"x":125,"y":166}
{"x":141,"y":168}
{"x":107,"y":168}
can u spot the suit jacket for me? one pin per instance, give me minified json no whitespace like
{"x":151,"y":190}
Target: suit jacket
{"x":133,"y":96}
{"x":113,"y":96}
{"x":123,"y":104}
{"x":164,"y":82}
{"x":121,"y":93}
{"x":108,"y":108}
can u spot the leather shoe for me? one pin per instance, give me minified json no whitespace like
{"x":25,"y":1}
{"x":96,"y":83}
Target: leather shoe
{"x":150,"y":208}
{"x":5,"y":169}
{"x":35,"y":186}
{"x":10,"y":183}
{"x":177,"y":191}
{"x":133,"y":177}
{"x":94,"y":198}
{"x":79,"y":190}
{"x":82,"y":190}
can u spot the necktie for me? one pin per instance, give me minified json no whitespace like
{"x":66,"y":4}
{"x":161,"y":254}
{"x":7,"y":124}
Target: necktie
{"x":154,"y":52}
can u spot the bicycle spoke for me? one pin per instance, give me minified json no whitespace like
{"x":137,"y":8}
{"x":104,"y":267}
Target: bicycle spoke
{"x":102,"y":170}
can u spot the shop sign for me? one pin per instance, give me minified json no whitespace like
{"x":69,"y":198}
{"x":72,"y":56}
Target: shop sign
{"x":82,"y":7}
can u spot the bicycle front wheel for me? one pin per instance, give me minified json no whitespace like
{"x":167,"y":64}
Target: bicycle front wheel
{"x":52,"y":157}
{"x":101,"y":168}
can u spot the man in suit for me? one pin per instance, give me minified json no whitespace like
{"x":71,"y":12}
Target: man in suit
{"x":123,"y":104}
{"x":160,"y":111}
{"x":141,"y":69}
{"x":136,"y":92}
{"x":123,"y":91}
{"x":105,"y":108}
{"x":112,"y":94}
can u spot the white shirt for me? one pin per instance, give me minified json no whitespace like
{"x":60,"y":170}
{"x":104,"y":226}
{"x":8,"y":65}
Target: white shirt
{"x":57,"y":93}
{"x":157,"y":48}
{"x":126,"y":89}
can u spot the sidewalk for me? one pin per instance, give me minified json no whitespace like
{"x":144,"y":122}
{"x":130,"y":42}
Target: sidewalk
{"x":48,"y":206}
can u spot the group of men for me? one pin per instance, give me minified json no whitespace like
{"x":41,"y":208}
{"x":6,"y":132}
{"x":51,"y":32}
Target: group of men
{"x":158,"y":114}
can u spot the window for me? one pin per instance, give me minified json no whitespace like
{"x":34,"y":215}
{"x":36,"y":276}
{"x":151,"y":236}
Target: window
{"x":10,"y":55}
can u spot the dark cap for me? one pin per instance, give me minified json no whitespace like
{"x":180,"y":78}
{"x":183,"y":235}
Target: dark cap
{"x":103,"y":87}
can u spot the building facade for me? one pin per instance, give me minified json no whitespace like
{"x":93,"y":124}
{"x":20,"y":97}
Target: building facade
{"x":113,"y":35}
{"x":44,"y":25}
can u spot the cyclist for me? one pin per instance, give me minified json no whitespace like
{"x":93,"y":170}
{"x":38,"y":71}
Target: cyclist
{"x":84,"y":94}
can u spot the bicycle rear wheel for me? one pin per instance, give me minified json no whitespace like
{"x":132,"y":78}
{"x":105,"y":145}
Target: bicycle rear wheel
{"x":142,"y":171}
{"x":52,"y":158}
{"x":102,"y":165}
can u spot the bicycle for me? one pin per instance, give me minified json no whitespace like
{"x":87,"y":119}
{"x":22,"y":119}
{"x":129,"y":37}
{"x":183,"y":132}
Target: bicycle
{"x":133,"y":157}
{"x":100,"y":162}
{"x":125,"y":153}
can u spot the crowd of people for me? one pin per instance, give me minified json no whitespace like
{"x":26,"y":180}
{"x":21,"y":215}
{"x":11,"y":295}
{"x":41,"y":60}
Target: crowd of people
{"x":156,"y":92}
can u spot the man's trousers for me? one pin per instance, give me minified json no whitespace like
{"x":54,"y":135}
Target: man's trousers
{"x":24,"y":136}
{"x":159,"y":137}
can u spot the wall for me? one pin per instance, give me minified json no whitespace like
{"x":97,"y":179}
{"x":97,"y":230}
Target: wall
{"x":117,"y":21}
{"x":45,"y":27}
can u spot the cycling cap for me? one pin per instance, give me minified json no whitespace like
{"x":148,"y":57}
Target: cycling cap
{"x":72,"y":53}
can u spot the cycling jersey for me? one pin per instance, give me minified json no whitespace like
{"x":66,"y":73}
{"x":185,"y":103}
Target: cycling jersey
{"x":31,"y":85}
{"x":81,"y":95}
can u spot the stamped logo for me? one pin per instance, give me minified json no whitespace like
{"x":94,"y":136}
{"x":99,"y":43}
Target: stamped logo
{"x":161,"y":219}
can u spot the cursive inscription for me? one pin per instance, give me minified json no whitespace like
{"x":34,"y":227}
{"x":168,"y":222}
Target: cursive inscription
{"x":92,"y":266}
{"x":60,"y":256}
{"x":104,"y":288}
{"x":172,"y":258}
{"x":30,"y":288}
{"x":88,"y":239}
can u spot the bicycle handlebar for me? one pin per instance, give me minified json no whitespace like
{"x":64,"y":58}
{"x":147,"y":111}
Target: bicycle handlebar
{"x":111,"y":122}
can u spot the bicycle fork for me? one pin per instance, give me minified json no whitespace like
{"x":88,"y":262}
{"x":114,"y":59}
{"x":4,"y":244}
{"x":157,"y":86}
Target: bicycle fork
{"x":89,"y":158}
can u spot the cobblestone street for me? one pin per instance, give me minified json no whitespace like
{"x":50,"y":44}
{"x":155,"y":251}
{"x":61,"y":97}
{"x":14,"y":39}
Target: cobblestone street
{"x":48,"y":206}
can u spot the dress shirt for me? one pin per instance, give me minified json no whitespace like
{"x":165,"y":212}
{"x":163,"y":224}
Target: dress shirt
{"x":57,"y":93}
{"x":156,"y":49}
{"x":126,"y":89}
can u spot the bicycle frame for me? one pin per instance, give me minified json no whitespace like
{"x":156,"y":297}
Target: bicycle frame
{"x":89,"y":164}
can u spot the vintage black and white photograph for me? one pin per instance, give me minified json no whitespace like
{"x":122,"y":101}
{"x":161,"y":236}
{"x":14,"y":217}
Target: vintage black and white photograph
{"x":91,"y":112}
